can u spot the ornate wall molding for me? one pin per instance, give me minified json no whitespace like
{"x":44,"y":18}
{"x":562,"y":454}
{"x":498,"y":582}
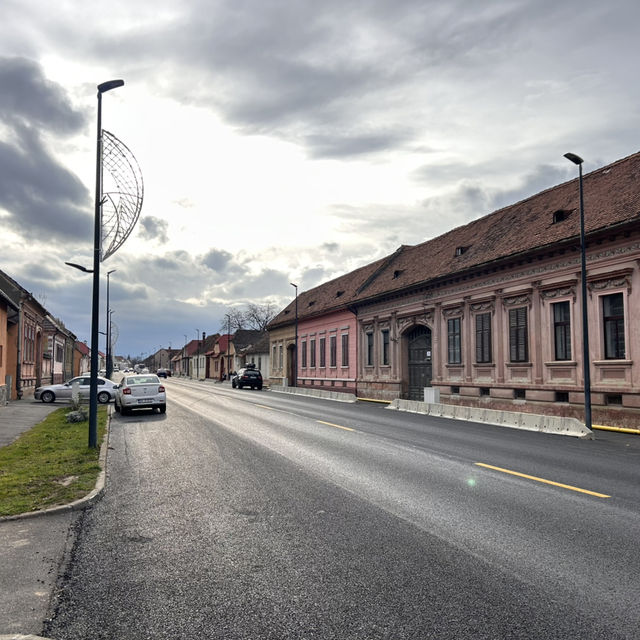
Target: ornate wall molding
{"x":560,"y":292}
{"x":512,"y":301}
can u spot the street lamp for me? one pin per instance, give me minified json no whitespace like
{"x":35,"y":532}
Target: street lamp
{"x":109,"y":366}
{"x":228,"y":317}
{"x":585,"y":321}
{"x":197,"y":354}
{"x":295,"y":351}
{"x":79,"y":267}
{"x":97,"y":241}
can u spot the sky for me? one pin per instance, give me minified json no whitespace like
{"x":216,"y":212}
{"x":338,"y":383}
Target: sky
{"x":288,"y":141}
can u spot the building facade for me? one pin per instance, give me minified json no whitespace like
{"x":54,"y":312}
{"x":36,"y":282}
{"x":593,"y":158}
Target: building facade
{"x":490,"y":314}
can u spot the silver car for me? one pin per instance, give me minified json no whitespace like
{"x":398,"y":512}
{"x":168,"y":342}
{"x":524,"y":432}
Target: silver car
{"x":140,"y":391}
{"x":63,"y":391}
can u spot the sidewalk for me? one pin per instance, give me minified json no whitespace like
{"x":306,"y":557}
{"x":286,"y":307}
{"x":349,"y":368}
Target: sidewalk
{"x":31,"y":549}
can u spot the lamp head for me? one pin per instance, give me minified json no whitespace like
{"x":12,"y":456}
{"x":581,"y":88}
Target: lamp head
{"x":109,"y":84}
{"x":79,"y":266}
{"x":574,"y":158}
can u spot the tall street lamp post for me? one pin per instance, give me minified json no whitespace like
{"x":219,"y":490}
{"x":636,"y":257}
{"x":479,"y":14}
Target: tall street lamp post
{"x":109,"y":366}
{"x":228,"y":317}
{"x":97,"y":241}
{"x":197,"y":354}
{"x":583,"y":276}
{"x":295,"y":350}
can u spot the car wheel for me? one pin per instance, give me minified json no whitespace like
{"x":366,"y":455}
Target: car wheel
{"x":239,"y":386}
{"x":259,"y":387}
{"x":47,"y":396}
{"x":163,"y":408}
{"x":116,"y":406}
{"x":104,"y":397}
{"x":233,"y":384}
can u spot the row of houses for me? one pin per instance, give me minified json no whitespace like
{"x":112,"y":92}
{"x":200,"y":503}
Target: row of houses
{"x":35,"y":347}
{"x":488,"y":314}
{"x":215,"y":355}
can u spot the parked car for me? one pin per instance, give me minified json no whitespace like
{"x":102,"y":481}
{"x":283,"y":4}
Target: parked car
{"x":248,"y":376}
{"x":162,"y":373}
{"x":63,"y":391}
{"x":140,"y":391}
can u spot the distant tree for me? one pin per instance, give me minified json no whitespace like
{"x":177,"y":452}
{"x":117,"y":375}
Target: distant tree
{"x":235,"y":320}
{"x":258,"y":316}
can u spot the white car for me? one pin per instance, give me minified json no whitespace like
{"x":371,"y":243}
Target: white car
{"x":140,"y":391}
{"x":53,"y":392}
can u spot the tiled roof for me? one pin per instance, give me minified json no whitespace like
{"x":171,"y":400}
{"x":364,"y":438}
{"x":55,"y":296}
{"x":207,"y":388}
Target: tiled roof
{"x":552,"y":217}
{"x":611,"y":198}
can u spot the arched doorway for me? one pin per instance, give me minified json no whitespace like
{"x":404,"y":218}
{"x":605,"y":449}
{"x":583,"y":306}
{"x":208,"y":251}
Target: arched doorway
{"x":419,"y":361}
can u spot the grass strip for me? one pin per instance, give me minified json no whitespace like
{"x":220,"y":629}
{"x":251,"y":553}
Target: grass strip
{"x":49,"y":465}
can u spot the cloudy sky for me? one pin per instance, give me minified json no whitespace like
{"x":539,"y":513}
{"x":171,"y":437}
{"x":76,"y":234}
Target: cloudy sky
{"x":289,"y":140}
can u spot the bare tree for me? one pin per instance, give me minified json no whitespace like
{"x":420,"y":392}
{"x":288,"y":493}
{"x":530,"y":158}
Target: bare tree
{"x":233,"y":320}
{"x":258,"y":316}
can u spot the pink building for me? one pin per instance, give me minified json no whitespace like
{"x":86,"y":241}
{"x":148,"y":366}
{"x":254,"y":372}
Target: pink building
{"x":490,"y":313}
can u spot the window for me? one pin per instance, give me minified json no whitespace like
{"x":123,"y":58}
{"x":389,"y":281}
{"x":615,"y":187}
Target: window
{"x":59,"y":353}
{"x":345,"y":349}
{"x":483,"y":337}
{"x":454,"y":341}
{"x":304,"y":354}
{"x":613,"y":320}
{"x":273,"y":359}
{"x":333,"y":356}
{"x":323,"y":352}
{"x":281,"y":358}
{"x":518,"y":335}
{"x":312,"y":352}
{"x":369,"y":339}
{"x":385,"y":346}
{"x":562,"y":330}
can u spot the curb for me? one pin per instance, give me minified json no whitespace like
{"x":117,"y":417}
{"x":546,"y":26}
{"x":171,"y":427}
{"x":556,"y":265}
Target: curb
{"x":76,"y":505}
{"x":511,"y":419}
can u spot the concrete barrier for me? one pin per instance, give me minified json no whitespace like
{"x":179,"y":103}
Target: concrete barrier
{"x":315,"y":393}
{"x":512,"y":419}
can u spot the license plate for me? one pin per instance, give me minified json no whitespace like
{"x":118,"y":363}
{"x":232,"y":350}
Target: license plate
{"x":145,"y":401}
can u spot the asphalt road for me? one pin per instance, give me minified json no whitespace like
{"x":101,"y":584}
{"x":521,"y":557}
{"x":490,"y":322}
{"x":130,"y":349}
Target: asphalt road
{"x":245,"y":514}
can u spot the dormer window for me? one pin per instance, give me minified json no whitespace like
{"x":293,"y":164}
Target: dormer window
{"x":461,"y":250}
{"x":312,"y":303}
{"x":397,"y":273}
{"x":339,"y":294}
{"x":560,"y":215}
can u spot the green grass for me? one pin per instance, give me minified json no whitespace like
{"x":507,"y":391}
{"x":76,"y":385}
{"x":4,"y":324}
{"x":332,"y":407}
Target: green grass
{"x":34,"y":467}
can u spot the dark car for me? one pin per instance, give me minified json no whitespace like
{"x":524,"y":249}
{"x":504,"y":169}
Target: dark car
{"x":249,"y":376}
{"x":162,"y":373}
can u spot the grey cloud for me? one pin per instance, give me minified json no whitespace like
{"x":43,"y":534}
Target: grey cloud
{"x":40,"y":195}
{"x":154,"y":229}
{"x":543,"y":177}
{"x":27,"y":96}
{"x":268,"y":283}
{"x":217,"y":259}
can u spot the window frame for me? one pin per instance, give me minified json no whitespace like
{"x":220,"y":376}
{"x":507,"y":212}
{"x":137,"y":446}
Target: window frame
{"x":562,"y":345}
{"x":484,"y":337}
{"x":519,"y":334}
{"x":617,"y":322}
{"x":454,"y":340}
{"x":345,"y":349}
{"x":385,"y":336}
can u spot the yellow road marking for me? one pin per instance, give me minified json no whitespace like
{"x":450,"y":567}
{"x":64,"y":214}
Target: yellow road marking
{"x":337,"y":426}
{"x":555,"y":484}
